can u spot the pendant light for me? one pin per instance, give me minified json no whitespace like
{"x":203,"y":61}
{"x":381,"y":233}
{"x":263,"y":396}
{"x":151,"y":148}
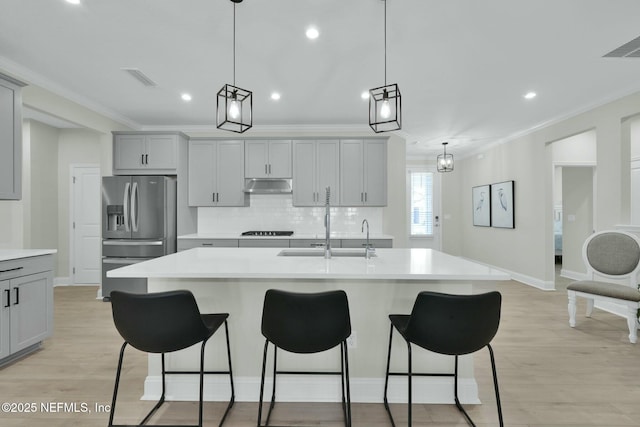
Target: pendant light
{"x":234,"y":105}
{"x":445,"y":161}
{"x":385,"y":104}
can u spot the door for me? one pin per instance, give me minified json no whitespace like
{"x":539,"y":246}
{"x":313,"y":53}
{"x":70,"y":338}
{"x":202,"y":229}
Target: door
{"x":577,"y":215}
{"x":30,"y":310}
{"x":161,"y":151}
{"x":230,"y":173}
{"x":279,"y":159}
{"x":256,"y":159}
{"x":202,"y":173}
{"x":116,"y":197}
{"x":304,"y":173}
{"x":423,"y":198}
{"x":375,"y":173}
{"x":129,"y":151}
{"x":351,"y":173}
{"x":148,"y":207}
{"x":85,"y":227}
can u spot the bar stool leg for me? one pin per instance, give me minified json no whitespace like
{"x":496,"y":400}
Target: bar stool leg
{"x":386,"y":379}
{"x":495,"y":385}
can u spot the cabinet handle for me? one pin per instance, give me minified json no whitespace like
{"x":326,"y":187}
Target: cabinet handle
{"x":213,"y":197}
{"x":142,"y":159}
{"x":11,"y":269}
{"x":217,"y":197}
{"x":146,"y":159}
{"x":365,"y":196}
{"x":269,"y":168}
{"x":8,"y":298}
{"x":207,"y":244}
{"x":17,"y":296}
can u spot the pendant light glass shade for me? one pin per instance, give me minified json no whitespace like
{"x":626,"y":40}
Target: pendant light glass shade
{"x":234,"y":105}
{"x":385,"y":102}
{"x":385,"y":108}
{"x":445,"y":161}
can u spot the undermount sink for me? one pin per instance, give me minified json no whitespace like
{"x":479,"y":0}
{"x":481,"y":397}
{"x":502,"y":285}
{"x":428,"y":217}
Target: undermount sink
{"x":353,"y":253}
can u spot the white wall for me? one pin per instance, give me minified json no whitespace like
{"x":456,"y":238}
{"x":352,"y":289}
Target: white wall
{"x":528,"y":249}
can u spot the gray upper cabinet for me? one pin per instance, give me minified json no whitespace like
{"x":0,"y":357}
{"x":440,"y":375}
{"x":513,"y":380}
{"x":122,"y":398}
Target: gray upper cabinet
{"x":316,"y":166}
{"x":145,"y":154}
{"x":10,"y":138}
{"x":363,"y":172}
{"x":216,"y":173}
{"x":268,"y":159}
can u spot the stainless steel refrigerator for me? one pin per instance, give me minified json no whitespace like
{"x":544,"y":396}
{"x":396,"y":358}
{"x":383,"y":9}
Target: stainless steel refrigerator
{"x":138,"y":223}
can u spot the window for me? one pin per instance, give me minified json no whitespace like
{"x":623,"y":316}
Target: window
{"x":421,"y":207}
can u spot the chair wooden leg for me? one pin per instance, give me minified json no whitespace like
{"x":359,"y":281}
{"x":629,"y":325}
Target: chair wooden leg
{"x":632,"y":322}
{"x":572,"y":308}
{"x":590,"y":302}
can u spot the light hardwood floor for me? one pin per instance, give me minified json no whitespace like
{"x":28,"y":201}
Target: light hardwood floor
{"x":549,"y":374}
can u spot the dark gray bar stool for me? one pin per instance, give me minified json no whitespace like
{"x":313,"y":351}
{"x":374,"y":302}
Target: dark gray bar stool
{"x":306,"y":323}
{"x":165,"y":322}
{"x":447,"y":324}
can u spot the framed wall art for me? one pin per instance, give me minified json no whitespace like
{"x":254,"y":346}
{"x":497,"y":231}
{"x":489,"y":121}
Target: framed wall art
{"x":502,"y":208}
{"x":481,"y":200}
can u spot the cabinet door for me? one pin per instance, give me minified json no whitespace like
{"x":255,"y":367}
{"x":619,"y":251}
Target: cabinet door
{"x":31,"y":305}
{"x":351,"y":173}
{"x":10,"y":142}
{"x":375,"y":173}
{"x":202,"y":173}
{"x":161,"y":152}
{"x":256,"y":158}
{"x":5,"y":319}
{"x":304,"y":174}
{"x":129,"y":151}
{"x":328,"y":170}
{"x":279,"y":165}
{"x":230,"y":174}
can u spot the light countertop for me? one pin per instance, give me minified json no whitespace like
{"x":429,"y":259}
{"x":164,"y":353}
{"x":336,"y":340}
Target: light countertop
{"x":13,"y":254}
{"x":264,"y":263}
{"x":197,"y":236}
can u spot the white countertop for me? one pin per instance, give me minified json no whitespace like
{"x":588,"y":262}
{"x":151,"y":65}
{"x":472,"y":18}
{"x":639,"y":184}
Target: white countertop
{"x":264,"y":263}
{"x":196,"y":236}
{"x":11,"y":254}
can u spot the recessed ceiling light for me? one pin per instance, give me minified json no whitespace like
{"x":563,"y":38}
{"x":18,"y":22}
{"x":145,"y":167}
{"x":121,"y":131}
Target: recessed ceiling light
{"x":186,"y":97}
{"x":365,"y":94}
{"x":73,"y":1}
{"x":312,"y":33}
{"x":275,"y":96}
{"x":530,"y":95}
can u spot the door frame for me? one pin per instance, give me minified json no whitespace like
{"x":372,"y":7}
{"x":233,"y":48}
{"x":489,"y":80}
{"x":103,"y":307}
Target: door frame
{"x":72,"y":216}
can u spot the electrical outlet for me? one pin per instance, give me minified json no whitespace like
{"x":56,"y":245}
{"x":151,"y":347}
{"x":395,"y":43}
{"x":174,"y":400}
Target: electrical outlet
{"x":352,"y":341}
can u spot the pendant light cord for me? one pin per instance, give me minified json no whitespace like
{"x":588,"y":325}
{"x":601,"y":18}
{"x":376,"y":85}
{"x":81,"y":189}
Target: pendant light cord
{"x":385,"y":42}
{"x":234,"y":44}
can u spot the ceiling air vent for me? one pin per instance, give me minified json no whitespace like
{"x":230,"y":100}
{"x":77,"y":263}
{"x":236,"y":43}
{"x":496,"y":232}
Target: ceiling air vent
{"x":627,"y":50}
{"x":140,"y":76}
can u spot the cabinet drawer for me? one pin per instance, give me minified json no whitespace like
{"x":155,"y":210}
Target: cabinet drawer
{"x":25,"y":266}
{"x":313,"y":243}
{"x":184,"y":244}
{"x":263,"y":243}
{"x":361,"y":243}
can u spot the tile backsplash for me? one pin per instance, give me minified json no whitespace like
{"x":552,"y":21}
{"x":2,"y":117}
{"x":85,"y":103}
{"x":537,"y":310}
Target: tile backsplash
{"x":276,"y":212}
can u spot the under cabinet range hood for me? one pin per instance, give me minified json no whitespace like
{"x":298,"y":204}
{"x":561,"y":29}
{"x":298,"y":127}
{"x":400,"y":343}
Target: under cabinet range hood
{"x":267,"y":185}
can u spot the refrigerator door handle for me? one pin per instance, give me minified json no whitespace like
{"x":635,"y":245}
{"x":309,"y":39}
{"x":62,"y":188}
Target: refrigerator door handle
{"x":134,"y":207}
{"x":127,"y":195}
{"x":132,"y":243}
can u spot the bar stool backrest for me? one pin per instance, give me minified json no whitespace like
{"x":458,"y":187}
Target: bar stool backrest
{"x":305,"y":322}
{"x":159,"y":322}
{"x":454,"y":324}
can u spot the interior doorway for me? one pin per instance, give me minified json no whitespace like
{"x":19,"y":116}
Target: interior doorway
{"x":84,"y":227}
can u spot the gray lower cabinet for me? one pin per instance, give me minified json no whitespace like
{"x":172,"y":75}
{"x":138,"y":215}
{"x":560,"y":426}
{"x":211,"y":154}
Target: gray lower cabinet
{"x":184,"y":244}
{"x":10,"y":138}
{"x":361,"y":243}
{"x":26,"y":316}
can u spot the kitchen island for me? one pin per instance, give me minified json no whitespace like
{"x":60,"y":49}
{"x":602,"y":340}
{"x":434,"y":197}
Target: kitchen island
{"x":235,"y":280}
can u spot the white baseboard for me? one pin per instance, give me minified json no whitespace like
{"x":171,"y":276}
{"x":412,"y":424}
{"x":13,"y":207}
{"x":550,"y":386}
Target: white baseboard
{"x":61,"y":281}
{"x":312,"y":388}
{"x":522,"y":278}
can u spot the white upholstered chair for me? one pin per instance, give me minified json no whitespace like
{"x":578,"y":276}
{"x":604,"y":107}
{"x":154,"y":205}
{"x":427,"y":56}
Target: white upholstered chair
{"x":610,"y":255}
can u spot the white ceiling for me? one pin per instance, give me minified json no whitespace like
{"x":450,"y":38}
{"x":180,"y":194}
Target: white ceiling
{"x":463,"y":66}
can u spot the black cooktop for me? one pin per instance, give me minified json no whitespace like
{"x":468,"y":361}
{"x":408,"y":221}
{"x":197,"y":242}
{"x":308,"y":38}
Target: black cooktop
{"x":267,"y":233}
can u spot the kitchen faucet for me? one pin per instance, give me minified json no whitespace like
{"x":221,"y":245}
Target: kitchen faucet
{"x":367,"y":248}
{"x":327,"y":225}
